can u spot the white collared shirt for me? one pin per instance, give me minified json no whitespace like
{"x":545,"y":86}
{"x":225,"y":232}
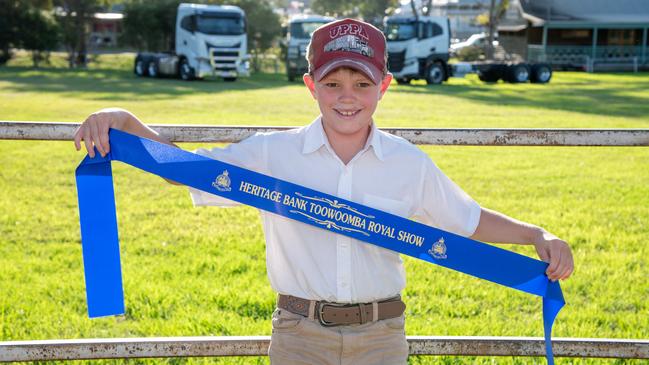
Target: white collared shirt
{"x":389,"y":174}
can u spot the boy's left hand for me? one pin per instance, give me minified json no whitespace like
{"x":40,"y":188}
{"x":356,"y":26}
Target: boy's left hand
{"x":557,"y":253}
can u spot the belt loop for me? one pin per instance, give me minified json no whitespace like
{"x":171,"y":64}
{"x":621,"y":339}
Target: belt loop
{"x":312,"y":305}
{"x":375,"y":311}
{"x":363,"y":315}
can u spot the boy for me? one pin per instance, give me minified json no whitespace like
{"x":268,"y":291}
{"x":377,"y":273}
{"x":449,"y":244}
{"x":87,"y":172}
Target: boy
{"x":339,"y":299}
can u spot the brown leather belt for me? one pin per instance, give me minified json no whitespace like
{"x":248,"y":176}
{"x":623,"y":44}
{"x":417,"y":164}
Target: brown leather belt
{"x":338,"y":314}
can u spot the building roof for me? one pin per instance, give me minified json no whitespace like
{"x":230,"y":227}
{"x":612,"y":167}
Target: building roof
{"x":594,"y":11}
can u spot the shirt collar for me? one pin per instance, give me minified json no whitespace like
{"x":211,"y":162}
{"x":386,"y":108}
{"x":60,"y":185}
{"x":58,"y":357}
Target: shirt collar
{"x":315,"y":138}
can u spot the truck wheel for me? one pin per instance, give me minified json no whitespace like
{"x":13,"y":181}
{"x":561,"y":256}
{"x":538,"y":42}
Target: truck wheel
{"x":403,"y":81}
{"x":153,"y":69}
{"x":140,"y":68}
{"x":541,"y":73}
{"x":518,"y":73}
{"x":229,"y":79}
{"x":435,"y":74}
{"x":186,"y":72}
{"x":490,"y":73}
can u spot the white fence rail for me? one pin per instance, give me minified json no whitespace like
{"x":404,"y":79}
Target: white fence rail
{"x":125,"y":348}
{"x":466,"y":137}
{"x":80,"y":349}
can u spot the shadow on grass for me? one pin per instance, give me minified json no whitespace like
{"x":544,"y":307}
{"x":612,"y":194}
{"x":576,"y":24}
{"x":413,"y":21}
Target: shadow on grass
{"x":623,"y":95}
{"x":115,"y":85}
{"x":589,"y":96}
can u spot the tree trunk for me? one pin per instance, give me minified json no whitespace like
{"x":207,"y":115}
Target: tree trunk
{"x":489,"y":50}
{"x":414,"y":9}
{"x":76,"y":17}
{"x":429,"y":7}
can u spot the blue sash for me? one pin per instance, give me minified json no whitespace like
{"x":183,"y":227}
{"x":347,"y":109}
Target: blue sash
{"x":100,"y":242}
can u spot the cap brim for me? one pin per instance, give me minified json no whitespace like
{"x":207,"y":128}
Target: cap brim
{"x":366,"y":68}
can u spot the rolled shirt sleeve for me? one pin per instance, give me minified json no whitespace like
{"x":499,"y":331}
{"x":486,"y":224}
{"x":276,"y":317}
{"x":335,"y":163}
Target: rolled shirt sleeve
{"x":249,"y":154}
{"x":445,"y":205}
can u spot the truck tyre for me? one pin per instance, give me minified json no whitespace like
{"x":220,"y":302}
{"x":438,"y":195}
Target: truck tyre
{"x":517,"y":73}
{"x":229,"y":79}
{"x":541,"y":73}
{"x":490,"y":73}
{"x":152,"y":69}
{"x":140,"y":67}
{"x":435,"y":74}
{"x":186,"y":71}
{"x":403,"y":81}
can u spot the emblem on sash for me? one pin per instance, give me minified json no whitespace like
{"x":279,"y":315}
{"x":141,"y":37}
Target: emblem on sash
{"x":222,"y":182}
{"x":438,"y":250}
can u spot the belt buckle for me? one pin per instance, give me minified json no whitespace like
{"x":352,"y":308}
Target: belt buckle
{"x":320,"y":311}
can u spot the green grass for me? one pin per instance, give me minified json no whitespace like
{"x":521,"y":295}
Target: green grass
{"x":201,"y":271}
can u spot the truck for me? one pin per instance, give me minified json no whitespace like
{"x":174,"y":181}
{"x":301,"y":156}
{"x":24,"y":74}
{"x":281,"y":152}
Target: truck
{"x":418,"y":49}
{"x":209,"y":40}
{"x":298,"y":36}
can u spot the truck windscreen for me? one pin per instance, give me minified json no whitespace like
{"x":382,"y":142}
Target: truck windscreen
{"x":303,"y":30}
{"x":220,"y":23}
{"x":400,"y":31}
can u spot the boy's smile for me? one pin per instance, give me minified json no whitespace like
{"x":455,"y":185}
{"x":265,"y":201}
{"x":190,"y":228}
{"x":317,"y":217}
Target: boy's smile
{"x":347,"y":100}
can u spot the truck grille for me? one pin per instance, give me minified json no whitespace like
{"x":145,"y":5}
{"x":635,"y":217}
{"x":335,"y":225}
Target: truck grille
{"x":220,"y":53}
{"x":396,"y":61}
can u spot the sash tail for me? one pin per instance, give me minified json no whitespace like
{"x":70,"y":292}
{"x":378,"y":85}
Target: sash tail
{"x":100,"y":243}
{"x":552,"y":303}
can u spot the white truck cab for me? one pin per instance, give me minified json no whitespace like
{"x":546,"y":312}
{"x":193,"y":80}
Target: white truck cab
{"x":418,"y":47}
{"x":210,"y":40}
{"x":298,"y":36}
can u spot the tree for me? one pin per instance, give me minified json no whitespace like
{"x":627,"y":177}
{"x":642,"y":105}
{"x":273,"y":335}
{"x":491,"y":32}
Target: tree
{"x":426,"y":7}
{"x":372,"y":11}
{"x":40,"y":35}
{"x":491,"y":20}
{"x":74,"y":19}
{"x":25,"y":24}
{"x":264,"y":28}
{"x":11,"y":13}
{"x":149,"y":25}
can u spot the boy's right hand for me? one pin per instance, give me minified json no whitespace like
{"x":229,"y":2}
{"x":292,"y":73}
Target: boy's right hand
{"x":94,"y":130}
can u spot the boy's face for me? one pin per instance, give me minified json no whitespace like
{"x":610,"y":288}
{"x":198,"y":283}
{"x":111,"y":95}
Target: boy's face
{"x":347,"y":99}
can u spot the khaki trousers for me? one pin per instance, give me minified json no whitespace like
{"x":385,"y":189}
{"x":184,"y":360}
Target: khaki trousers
{"x":302,"y":341}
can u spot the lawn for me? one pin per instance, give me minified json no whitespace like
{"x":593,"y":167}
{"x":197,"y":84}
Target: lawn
{"x":201,"y":271}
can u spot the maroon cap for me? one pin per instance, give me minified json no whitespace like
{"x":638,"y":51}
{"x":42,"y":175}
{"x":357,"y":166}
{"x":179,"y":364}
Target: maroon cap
{"x":348,"y":43}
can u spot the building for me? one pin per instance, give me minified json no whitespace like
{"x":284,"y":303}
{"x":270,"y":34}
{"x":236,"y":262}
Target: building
{"x":104,"y":30}
{"x":578,"y":34}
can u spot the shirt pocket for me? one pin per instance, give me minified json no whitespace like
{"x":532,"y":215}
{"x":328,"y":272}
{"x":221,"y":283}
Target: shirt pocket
{"x":396,"y":207}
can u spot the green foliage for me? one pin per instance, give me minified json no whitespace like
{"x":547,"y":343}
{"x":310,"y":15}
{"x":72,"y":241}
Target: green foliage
{"x":201,"y":271}
{"x":264,"y":26}
{"x":149,"y":25}
{"x":74,"y":20}
{"x":470,"y":53}
{"x":10,"y":11}
{"x":26,"y":25}
{"x":41,"y":36}
{"x":497,"y":13}
{"x":370,"y":10}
